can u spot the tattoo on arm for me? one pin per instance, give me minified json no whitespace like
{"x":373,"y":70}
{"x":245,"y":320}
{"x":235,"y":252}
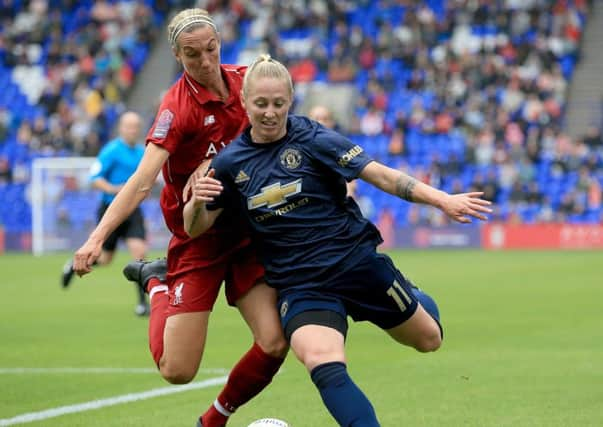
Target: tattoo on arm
{"x":405,"y":186}
{"x":196,"y":214}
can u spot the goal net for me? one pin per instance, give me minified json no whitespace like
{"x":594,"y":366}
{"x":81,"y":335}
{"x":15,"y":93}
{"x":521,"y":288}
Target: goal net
{"x":64,"y":206}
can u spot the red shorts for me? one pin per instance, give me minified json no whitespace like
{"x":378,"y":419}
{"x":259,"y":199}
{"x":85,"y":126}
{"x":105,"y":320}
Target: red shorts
{"x":194,"y":280}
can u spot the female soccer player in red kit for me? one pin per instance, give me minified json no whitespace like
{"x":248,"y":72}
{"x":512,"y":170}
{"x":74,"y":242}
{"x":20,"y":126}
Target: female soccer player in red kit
{"x":199,"y":115}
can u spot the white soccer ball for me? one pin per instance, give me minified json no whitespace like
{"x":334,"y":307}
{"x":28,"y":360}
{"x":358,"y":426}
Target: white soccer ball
{"x":269,"y":422}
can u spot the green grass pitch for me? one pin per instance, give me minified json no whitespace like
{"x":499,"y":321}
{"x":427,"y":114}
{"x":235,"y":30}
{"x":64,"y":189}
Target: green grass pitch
{"x":523,"y":347}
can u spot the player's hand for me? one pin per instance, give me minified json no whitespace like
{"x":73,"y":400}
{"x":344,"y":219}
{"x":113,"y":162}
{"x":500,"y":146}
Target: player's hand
{"x":206,"y":187}
{"x":461,"y":207}
{"x":85,"y":257}
{"x":199,"y":172}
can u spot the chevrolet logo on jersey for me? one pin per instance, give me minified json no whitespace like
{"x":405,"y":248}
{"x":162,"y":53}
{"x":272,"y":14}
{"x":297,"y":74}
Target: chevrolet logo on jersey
{"x":274,"y":194}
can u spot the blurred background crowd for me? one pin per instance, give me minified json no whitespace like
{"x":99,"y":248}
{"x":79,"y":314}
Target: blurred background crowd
{"x":463,"y":94}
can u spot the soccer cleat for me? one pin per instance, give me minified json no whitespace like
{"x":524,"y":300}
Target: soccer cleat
{"x":68,"y":273}
{"x":140,"y":271}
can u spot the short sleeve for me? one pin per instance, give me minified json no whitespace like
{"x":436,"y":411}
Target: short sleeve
{"x":339,"y":153}
{"x":103,"y":163}
{"x":165,"y":131}
{"x":229,"y":192}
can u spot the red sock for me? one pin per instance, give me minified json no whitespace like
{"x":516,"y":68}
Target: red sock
{"x":249,"y":376}
{"x":159,"y":301}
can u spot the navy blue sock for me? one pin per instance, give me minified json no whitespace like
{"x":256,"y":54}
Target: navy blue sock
{"x":344,"y":400}
{"x":429,"y":305}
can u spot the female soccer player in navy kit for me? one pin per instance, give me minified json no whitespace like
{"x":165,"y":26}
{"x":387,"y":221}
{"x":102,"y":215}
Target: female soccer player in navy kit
{"x":199,"y":115}
{"x":288,"y":174}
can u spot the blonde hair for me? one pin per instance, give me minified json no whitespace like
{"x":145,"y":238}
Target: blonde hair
{"x":188,"y":20}
{"x":265,"y":66}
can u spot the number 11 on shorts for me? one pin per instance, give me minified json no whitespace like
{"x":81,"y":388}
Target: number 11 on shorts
{"x":397,"y":292}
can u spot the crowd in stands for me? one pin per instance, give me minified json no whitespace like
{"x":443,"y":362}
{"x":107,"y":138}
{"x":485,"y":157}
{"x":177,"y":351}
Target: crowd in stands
{"x":66,"y":68}
{"x":464,"y":94}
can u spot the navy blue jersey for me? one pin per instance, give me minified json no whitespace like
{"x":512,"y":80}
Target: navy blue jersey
{"x":294,"y":196}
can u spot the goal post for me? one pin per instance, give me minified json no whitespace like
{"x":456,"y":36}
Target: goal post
{"x":64,"y":206}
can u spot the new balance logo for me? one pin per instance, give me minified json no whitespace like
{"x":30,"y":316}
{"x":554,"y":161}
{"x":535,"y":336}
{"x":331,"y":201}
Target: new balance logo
{"x":209,"y":120}
{"x":241,"y":177}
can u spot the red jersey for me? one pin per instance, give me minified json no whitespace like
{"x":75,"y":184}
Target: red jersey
{"x":193,"y":125}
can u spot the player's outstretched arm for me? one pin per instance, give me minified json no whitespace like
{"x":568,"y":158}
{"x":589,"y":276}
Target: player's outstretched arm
{"x":459,"y":207}
{"x":134,"y":191}
{"x":197,"y":218}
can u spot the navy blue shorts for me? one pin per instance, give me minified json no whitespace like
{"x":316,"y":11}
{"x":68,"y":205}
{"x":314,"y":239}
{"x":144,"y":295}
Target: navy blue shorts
{"x":374,"y":290}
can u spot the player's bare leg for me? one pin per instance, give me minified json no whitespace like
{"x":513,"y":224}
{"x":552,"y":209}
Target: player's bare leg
{"x":258,"y":308}
{"x":321,"y":350}
{"x":183,"y":344}
{"x":176,"y":342}
{"x":420,"y":331}
{"x":256,"y":368}
{"x":253,"y":371}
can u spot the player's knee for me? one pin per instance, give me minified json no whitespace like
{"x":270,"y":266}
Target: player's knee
{"x":274,"y":345}
{"x":177,"y":377}
{"x":175,"y":374}
{"x":316,"y":357}
{"x":430,"y":341}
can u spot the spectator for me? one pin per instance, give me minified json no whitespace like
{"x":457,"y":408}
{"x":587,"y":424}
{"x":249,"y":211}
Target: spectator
{"x":592,"y":138}
{"x":6,"y":173}
{"x":324,"y":116}
{"x":396,"y":145}
{"x":372,"y":122}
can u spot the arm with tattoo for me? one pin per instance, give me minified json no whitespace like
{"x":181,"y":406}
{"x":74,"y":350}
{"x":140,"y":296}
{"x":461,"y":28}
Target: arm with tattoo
{"x":404,"y":187}
{"x":459,"y":207}
{"x":194,"y":222}
{"x":197,"y":218}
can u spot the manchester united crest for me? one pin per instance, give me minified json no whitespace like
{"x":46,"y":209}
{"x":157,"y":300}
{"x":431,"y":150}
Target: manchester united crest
{"x":291,"y":158}
{"x":284,"y":308}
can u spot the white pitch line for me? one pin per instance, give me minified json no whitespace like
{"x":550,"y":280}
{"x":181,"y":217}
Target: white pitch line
{"x":70,"y":370}
{"x":93,"y":370}
{"x":111,"y":401}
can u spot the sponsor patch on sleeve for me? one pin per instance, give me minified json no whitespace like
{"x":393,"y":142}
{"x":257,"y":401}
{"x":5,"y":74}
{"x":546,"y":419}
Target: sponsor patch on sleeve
{"x":349,"y":155}
{"x":163,"y":124}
